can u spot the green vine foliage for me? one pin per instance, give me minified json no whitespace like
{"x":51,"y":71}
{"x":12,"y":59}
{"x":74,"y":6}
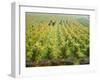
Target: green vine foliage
{"x":56,"y":39}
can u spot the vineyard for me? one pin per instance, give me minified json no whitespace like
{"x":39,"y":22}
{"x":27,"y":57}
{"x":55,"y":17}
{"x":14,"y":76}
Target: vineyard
{"x":56,"y":39}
